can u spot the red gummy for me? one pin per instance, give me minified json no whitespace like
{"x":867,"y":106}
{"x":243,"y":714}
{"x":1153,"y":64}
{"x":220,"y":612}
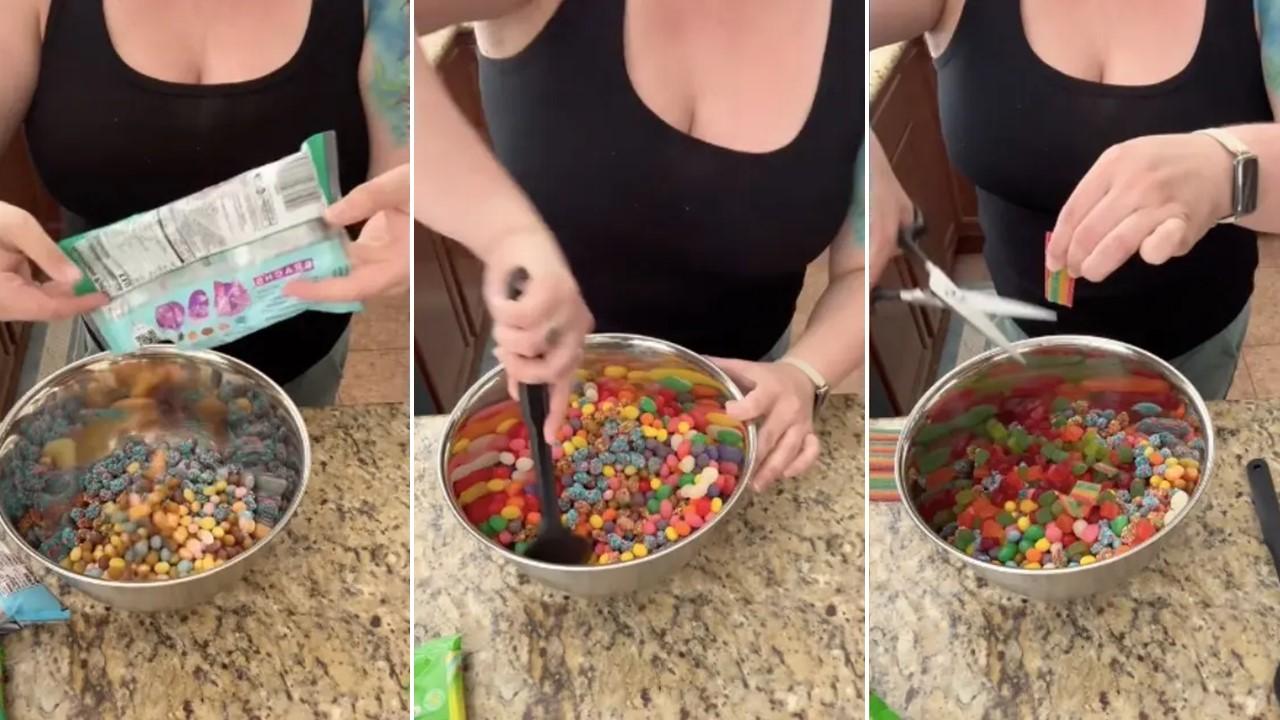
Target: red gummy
{"x":940,"y":477}
{"x":966,"y":517}
{"x":1109,"y":510}
{"x":503,"y":472}
{"x":1143,"y":530}
{"x":1064,"y":523}
{"x":991,"y":530}
{"x":702,"y":506}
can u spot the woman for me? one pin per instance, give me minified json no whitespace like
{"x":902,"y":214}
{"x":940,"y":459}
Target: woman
{"x":130,"y":105}
{"x":1079,"y":119}
{"x":690,"y":159}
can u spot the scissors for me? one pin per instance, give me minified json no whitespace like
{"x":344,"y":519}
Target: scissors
{"x":973,"y":306}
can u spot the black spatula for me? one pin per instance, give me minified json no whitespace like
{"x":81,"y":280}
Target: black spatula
{"x":1267,"y":508}
{"x":554,"y":543}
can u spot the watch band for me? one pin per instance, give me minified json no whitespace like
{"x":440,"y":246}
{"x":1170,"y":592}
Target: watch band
{"x":820,"y":387}
{"x":1244,"y":173}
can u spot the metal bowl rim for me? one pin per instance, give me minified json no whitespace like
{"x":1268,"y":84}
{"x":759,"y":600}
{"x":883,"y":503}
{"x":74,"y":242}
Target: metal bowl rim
{"x":144,"y":353}
{"x":490,"y":378}
{"x":949,"y":380}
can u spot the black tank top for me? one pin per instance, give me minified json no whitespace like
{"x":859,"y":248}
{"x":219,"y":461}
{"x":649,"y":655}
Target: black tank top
{"x":110,"y":142}
{"x":1026,"y":134}
{"x":668,"y":235}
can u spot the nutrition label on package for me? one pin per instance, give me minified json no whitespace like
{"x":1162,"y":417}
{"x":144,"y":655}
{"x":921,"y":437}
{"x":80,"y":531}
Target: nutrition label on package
{"x":258,"y":203}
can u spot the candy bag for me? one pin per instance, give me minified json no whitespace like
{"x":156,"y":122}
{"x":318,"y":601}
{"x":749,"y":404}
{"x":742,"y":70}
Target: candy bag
{"x":209,"y":268}
{"x":23,"y":600}
{"x":437,"y":680}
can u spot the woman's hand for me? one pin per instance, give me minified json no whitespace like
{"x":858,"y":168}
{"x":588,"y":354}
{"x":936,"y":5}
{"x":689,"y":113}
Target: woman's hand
{"x":782,"y":395}
{"x":1155,"y":196}
{"x":380,"y":256}
{"x":539,"y":336}
{"x":22,"y":298}
{"x":891,"y":210}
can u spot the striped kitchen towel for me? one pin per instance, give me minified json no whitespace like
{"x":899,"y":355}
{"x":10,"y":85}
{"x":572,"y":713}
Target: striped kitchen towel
{"x":882,"y":442}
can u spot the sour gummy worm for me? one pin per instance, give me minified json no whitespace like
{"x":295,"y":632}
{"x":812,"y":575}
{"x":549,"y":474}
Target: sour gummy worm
{"x":209,"y":268}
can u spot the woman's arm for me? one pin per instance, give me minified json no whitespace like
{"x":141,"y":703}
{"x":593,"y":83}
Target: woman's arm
{"x":384,"y":83}
{"x":1157,"y":196}
{"x":895,"y":21}
{"x":20,"y":58}
{"x":832,"y":342}
{"x":432,"y":15}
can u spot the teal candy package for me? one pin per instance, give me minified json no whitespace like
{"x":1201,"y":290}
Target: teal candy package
{"x":210,"y":268}
{"x":23,"y":600}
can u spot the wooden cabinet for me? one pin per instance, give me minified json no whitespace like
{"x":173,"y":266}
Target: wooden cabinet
{"x":906,"y":341}
{"x":450,"y":323}
{"x":20,"y":186}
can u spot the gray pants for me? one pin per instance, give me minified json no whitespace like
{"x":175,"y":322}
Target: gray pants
{"x":489,"y":362}
{"x":1210,"y":366}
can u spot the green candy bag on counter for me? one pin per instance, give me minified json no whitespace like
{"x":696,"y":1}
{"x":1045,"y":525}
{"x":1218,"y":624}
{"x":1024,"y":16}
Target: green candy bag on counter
{"x":880,"y":711}
{"x":437,"y":680}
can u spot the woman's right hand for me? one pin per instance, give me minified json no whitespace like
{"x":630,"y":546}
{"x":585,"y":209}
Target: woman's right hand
{"x":891,"y":210}
{"x":22,"y":297}
{"x":539,"y":336}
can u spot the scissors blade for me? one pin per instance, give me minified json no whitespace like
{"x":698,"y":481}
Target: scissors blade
{"x":1006,"y":307}
{"x":956,"y":299}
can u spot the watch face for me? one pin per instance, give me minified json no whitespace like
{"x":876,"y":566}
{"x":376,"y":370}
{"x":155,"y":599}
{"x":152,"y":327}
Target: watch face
{"x":1246,"y":185}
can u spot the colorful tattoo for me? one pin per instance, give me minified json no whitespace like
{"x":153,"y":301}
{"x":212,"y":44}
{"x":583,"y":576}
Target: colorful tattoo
{"x":1268,"y":12}
{"x":389,"y":86}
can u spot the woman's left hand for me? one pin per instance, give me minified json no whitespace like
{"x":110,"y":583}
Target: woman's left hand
{"x":380,"y":256}
{"x":781,"y":395}
{"x":1155,"y":196}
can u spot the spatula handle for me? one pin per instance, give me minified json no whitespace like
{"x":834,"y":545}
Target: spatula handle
{"x":1265,"y":505}
{"x":535,"y":404}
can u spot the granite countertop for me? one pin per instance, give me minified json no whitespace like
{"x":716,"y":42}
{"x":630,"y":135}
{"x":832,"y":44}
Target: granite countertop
{"x":766,"y":622}
{"x":882,"y":60}
{"x":1192,"y":636}
{"x":318,"y":629}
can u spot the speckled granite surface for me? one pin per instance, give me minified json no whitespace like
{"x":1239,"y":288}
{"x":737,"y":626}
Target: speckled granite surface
{"x":318,"y":629}
{"x":882,"y":61}
{"x":765,"y":623}
{"x":1192,"y":636}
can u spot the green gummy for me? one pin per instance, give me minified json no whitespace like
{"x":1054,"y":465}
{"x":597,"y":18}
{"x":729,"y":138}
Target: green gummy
{"x":654,"y":505}
{"x":931,"y":432}
{"x":1077,"y":550}
{"x":974,"y":416}
{"x":980,"y":457}
{"x":964,"y":538}
{"x":687,"y":479}
{"x":944,"y":517}
{"x":729,"y":437}
{"x":1125,"y":454}
{"x":1005,"y":518}
{"x":676,"y":384}
{"x":521,"y":547}
{"x":1048,"y":498}
{"x":996,"y":430}
{"x":1033,"y":533}
{"x":1119,"y":524}
{"x":498,"y":523}
{"x":1138,"y":488}
{"x":1008,"y":551}
{"x":648,"y":405}
{"x":664,"y":492}
{"x":964,"y":497}
{"x":1060,"y":404}
{"x":1079,"y":469}
{"x":932,"y":460}
{"x":1053,"y":453}
{"x":1025,"y":544}
{"x":1045,"y":515}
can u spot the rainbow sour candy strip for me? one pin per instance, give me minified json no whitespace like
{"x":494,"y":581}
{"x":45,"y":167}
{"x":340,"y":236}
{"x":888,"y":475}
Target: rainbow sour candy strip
{"x":1059,"y":287}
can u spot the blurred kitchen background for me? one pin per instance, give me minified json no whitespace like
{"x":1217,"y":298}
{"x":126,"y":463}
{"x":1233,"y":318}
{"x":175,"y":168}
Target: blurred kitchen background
{"x":450,"y":324}
{"x":910,"y":347}
{"x":377,"y":367}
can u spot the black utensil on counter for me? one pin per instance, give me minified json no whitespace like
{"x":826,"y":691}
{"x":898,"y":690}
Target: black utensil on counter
{"x":1267,"y":507}
{"x":554,"y":542}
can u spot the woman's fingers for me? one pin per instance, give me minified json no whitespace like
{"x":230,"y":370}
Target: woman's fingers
{"x":1120,"y":244}
{"x":779,"y":458}
{"x":1101,"y":220}
{"x":556,"y":413}
{"x":1172,"y":238}
{"x":389,"y":190}
{"x":22,"y":232}
{"x":22,"y":300}
{"x":808,"y":455}
{"x":1087,"y":195}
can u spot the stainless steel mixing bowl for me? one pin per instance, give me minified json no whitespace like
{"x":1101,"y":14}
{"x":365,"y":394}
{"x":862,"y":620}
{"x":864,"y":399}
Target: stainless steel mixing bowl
{"x":636,"y":353}
{"x":1075,"y":357}
{"x":203,"y":371}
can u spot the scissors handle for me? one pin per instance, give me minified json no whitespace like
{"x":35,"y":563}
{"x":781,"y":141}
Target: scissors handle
{"x":909,"y":236}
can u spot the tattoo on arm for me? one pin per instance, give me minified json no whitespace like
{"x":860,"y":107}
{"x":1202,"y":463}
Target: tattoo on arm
{"x":859,"y":212}
{"x":1268,"y":13}
{"x":389,"y":86}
